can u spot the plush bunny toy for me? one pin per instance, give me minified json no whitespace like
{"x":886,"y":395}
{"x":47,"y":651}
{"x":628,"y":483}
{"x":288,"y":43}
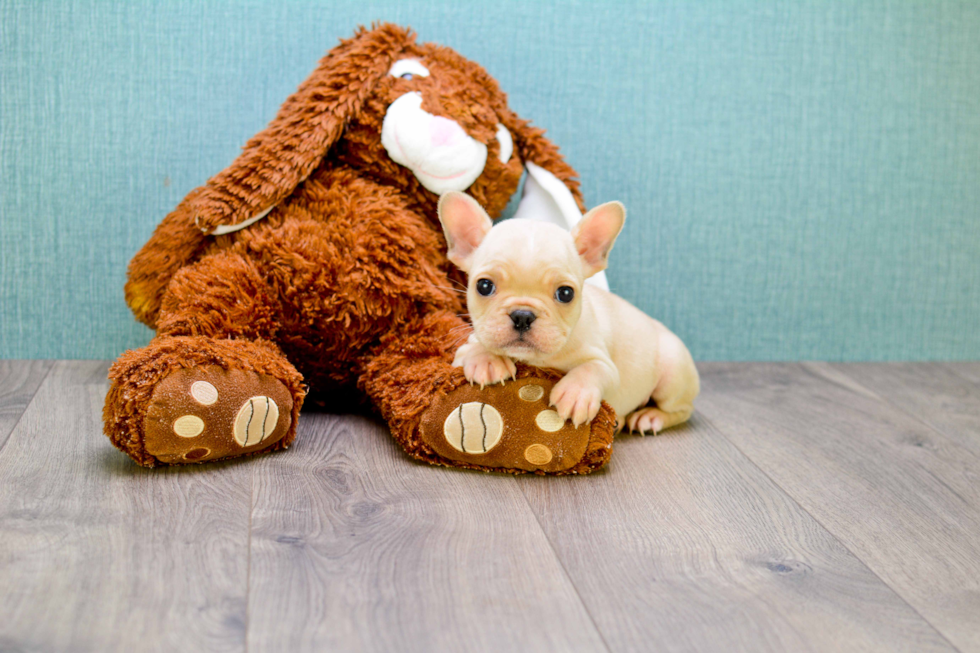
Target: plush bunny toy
{"x":319,"y":249}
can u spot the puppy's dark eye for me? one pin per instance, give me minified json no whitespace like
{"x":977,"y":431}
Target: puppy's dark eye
{"x":485,"y":287}
{"x":407,"y":76}
{"x":565,"y":294}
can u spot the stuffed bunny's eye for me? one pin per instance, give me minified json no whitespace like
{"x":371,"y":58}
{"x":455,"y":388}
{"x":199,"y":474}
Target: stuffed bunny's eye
{"x":408,"y":69}
{"x":485,"y":287}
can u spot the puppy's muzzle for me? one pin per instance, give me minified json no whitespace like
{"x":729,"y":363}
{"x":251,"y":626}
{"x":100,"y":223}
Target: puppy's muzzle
{"x":522,"y":320}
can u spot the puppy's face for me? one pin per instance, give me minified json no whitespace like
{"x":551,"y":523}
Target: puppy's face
{"x":524,"y":291}
{"x":526,"y":277}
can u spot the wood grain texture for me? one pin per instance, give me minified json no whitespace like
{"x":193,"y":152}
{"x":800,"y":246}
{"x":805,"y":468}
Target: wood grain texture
{"x":968,"y":370}
{"x":19,"y":380}
{"x":682,"y":544}
{"x":930,"y":392}
{"x":357,"y":548}
{"x":97,"y":554}
{"x":808,"y":507}
{"x":900,"y":495}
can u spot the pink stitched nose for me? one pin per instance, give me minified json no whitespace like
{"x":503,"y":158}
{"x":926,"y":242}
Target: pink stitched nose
{"x":443,"y":131}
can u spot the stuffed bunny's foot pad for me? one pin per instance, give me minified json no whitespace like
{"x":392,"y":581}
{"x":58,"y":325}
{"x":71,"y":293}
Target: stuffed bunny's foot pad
{"x":206,"y":413}
{"x":510,"y":427}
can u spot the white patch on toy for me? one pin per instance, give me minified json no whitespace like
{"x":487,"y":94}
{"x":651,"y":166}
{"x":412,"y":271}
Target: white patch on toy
{"x":547,"y":198}
{"x":474,"y":427}
{"x":531,"y":392}
{"x":407,"y":67}
{"x":188,"y":426}
{"x":256,"y":420}
{"x":548,"y":420}
{"x":506,"y":143}
{"x":204,"y":393}
{"x":441,"y":155}
{"x":223,"y":229}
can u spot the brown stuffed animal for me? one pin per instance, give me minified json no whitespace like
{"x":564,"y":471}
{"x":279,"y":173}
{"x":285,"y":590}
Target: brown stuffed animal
{"x":317,"y":251}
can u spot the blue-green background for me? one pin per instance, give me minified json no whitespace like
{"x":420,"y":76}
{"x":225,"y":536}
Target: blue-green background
{"x":803,"y":178}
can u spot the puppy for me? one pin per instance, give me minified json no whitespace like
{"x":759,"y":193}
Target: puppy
{"x":528,"y":301}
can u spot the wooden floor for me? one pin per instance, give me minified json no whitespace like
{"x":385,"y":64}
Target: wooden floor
{"x":806,"y":507}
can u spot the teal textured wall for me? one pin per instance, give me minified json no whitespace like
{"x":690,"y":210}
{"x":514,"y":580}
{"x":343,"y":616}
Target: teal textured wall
{"x":803,"y":178}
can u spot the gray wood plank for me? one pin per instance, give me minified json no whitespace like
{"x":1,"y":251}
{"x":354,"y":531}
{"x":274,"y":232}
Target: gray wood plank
{"x":931,"y":392}
{"x":900,"y":495}
{"x":968,"y":370}
{"x":97,"y":554}
{"x":684,"y":545}
{"x":19,"y":380}
{"x":357,"y":548}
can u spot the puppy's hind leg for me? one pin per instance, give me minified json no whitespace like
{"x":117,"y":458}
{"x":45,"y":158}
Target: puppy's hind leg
{"x":650,"y":420}
{"x":674,"y":395}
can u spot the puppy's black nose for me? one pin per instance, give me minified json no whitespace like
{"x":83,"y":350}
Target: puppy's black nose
{"x":522,"y":320}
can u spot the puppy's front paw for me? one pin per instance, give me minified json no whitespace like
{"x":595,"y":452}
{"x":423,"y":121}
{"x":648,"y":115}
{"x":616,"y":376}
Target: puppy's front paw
{"x":576,"y":400}
{"x":482,"y":367}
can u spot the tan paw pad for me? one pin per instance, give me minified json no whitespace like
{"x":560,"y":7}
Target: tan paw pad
{"x":531,"y":392}
{"x":473,"y":427}
{"x":189,"y":426}
{"x":549,"y":420}
{"x":256,"y":420}
{"x":204,"y":393}
{"x":196,"y":454}
{"x":538,"y":454}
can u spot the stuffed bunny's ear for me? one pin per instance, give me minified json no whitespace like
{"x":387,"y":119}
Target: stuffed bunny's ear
{"x":465,"y":224}
{"x":595,"y":235}
{"x":279,"y":158}
{"x":274,"y":162}
{"x":533,"y":147}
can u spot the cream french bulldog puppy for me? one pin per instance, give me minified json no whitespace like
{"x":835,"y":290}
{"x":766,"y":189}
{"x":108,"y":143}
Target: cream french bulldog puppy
{"x":528,"y":301}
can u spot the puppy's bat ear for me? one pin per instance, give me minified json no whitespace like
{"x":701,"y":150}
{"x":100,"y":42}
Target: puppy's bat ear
{"x":531,"y":145}
{"x":465,"y":224}
{"x":595,"y":235}
{"x":276,"y":160}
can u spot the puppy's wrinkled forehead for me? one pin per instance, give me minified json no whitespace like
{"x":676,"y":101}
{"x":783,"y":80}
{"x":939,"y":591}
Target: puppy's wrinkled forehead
{"x":529,"y":249}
